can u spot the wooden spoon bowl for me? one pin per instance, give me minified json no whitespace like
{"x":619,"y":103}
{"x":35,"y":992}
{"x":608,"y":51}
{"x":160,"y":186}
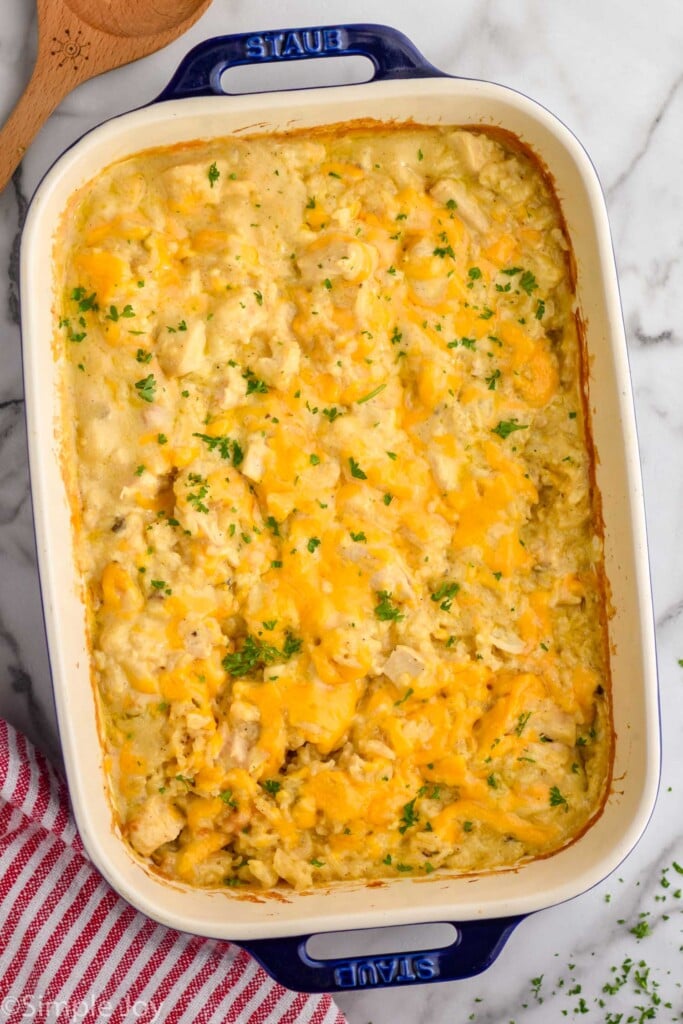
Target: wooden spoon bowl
{"x":79,"y":39}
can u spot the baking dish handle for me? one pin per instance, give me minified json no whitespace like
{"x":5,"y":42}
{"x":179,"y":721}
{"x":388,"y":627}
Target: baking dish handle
{"x":392,"y":54}
{"x":476,"y":946}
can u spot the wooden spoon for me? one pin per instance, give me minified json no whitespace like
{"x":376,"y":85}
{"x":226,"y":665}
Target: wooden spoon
{"x":79,"y":39}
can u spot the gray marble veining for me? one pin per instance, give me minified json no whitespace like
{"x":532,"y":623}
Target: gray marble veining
{"x":614,"y":74}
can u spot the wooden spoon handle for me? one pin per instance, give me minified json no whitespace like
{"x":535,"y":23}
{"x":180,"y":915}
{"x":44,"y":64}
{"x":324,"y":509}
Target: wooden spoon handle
{"x":45,"y":90}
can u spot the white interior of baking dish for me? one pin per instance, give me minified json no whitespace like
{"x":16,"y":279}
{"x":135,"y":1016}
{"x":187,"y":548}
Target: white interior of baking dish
{"x":636,"y":769}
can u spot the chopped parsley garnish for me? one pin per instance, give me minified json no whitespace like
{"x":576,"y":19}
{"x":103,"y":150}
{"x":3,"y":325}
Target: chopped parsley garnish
{"x":540,"y":309}
{"x":328,"y":284}
{"x":474,"y":273}
{"x":197,"y":500}
{"x":272,"y":786}
{"x":409,"y":692}
{"x":371,"y":394}
{"x":487,"y":314}
{"x":521,"y":722}
{"x":385,"y":610}
{"x":114,"y":314}
{"x":310,"y":205}
{"x":331,"y":414}
{"x":492,"y":781}
{"x":420,"y":155}
{"x":272,"y":524}
{"x":507,"y":427}
{"x":360,"y":537}
{"x":158,"y":584}
{"x":387,"y":499}
{"x":269,"y":624}
{"x":227,"y":448}
{"x":444,"y":251}
{"x":227,"y":798}
{"x":313,"y":543}
{"x":467,"y":826}
{"x":356,"y":471}
{"x":259,"y":297}
{"x":254,"y":384}
{"x":317,"y":863}
{"x":557,"y":800}
{"x":511,"y":271}
{"x":140,"y":470}
{"x":142,"y":356}
{"x":528,"y":282}
{"x":468,"y":342}
{"x":409,"y":817}
{"x":213,"y":174}
{"x":85,"y":302}
{"x":146,"y":388}
{"x":445,"y":593}
{"x":255,"y":654}
{"x":493,"y":380}
{"x":396,"y":336}
{"x":162,"y":439}
{"x":392,"y":455}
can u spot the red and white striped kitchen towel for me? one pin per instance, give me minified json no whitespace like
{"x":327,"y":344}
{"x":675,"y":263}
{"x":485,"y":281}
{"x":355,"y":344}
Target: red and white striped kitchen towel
{"x":72,"y":950}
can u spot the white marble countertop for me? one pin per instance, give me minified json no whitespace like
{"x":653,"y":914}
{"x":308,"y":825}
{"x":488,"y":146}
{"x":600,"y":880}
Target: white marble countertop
{"x":613,"y":72}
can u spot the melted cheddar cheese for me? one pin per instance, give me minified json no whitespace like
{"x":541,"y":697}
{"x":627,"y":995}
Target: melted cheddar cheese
{"x":334,"y":506}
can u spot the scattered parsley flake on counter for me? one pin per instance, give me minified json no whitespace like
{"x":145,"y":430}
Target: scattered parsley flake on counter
{"x":356,"y":471}
{"x":313,"y":543}
{"x":146,"y":388}
{"x":385,"y":610}
{"x":507,"y":427}
{"x":213,"y":174}
{"x":371,"y":394}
